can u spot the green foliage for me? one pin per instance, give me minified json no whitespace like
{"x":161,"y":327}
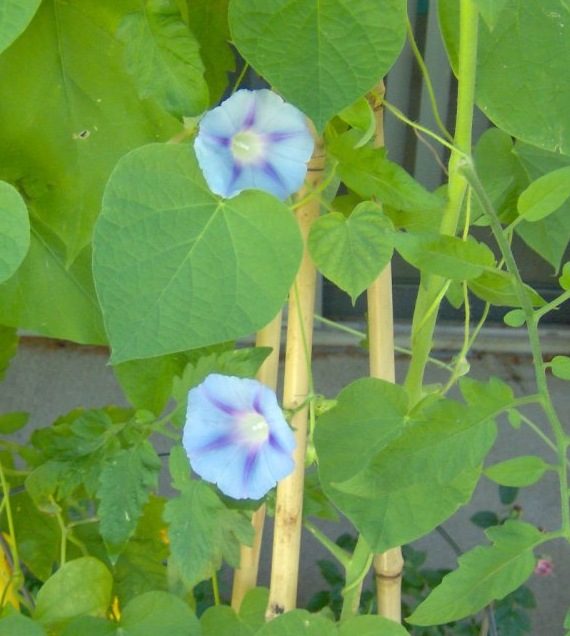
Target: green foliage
{"x":518,"y":472}
{"x":202,"y":530}
{"x":14,"y":230}
{"x":354,"y":44}
{"x":162,"y":55}
{"x":15,"y":15}
{"x":485,"y":573}
{"x":225,"y":240}
{"x":79,"y":588}
{"x":352,"y":251}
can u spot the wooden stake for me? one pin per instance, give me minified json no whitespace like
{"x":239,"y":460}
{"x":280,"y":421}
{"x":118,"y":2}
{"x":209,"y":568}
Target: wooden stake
{"x":289,"y":505}
{"x":389,"y":565}
{"x":245,"y":577}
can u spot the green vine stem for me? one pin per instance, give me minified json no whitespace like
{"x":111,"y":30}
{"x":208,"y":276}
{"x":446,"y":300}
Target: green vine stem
{"x":245,"y":577}
{"x":297,"y":385}
{"x":17,"y":577}
{"x":561,"y":439}
{"x":422,"y":329}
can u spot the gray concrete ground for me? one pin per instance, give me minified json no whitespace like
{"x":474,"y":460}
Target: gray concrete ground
{"x":48,"y":379}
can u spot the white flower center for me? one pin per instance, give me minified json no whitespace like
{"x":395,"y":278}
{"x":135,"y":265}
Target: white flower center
{"x":247,"y":146}
{"x":254,"y":428}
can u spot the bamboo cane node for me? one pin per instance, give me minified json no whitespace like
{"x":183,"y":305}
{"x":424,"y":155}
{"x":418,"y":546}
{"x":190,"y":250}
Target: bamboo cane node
{"x":388,"y":577}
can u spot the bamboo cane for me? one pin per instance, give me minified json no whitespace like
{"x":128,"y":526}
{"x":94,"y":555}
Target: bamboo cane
{"x":388,"y":566}
{"x":289,"y":505}
{"x":245,"y":577}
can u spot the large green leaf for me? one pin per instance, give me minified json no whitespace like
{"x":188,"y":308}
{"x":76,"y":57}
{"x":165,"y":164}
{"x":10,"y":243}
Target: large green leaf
{"x":321,"y":55}
{"x":513,"y":60}
{"x":371,"y":626}
{"x":485,"y":573}
{"x":14,"y":230}
{"x":71,"y":115}
{"x":126,"y":480}
{"x":177,"y":267}
{"x":352,"y":251}
{"x":8,"y":347}
{"x":397,"y":489}
{"x":50,"y":298}
{"x":163,"y":57}
{"x":18,"y":625}
{"x":15,"y":15}
{"x":202,"y":530}
{"x":79,"y":588}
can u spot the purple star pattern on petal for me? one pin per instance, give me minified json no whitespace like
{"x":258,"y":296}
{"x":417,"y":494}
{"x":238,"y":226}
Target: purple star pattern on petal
{"x":236,"y":436}
{"x":254,"y":140}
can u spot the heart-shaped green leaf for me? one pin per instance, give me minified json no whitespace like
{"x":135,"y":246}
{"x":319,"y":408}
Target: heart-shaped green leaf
{"x":341,"y":48}
{"x":352,"y":251}
{"x":178,"y":268}
{"x":15,"y":15}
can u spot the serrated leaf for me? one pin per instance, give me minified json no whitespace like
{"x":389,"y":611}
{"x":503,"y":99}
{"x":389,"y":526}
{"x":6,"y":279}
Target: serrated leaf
{"x":126,"y":479}
{"x":174,"y":260}
{"x":446,"y":256}
{"x":343,"y":46}
{"x":352,"y":251}
{"x":79,"y":588}
{"x":545,"y":195}
{"x":14,"y":230}
{"x":15,"y":15}
{"x":485,"y":573}
{"x":141,"y":565}
{"x":203,"y":531}
{"x":560,"y":366}
{"x":299,"y":623}
{"x":163,"y":57}
{"x":518,"y":472}
{"x":370,"y":173}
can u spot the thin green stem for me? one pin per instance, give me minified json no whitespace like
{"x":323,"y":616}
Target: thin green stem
{"x":426,"y":131}
{"x":64,"y":532}
{"x":358,"y":568}
{"x":525,"y":303}
{"x":342,"y":556}
{"x":360,"y":334}
{"x":216,"y":589}
{"x":553,"y":304}
{"x":240,"y":77}
{"x":422,"y":329}
{"x":427,"y":80}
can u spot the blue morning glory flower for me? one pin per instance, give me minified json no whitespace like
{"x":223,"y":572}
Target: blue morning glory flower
{"x":254,"y":140}
{"x":236,"y":436}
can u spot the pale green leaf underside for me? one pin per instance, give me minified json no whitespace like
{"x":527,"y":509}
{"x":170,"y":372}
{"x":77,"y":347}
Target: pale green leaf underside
{"x":176,"y":267}
{"x":340,"y":48}
{"x":14,"y":230}
{"x":15,"y":15}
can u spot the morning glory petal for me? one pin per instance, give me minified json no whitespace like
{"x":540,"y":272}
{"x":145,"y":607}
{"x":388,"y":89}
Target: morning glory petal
{"x":254,"y":140}
{"x":236,"y":436}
